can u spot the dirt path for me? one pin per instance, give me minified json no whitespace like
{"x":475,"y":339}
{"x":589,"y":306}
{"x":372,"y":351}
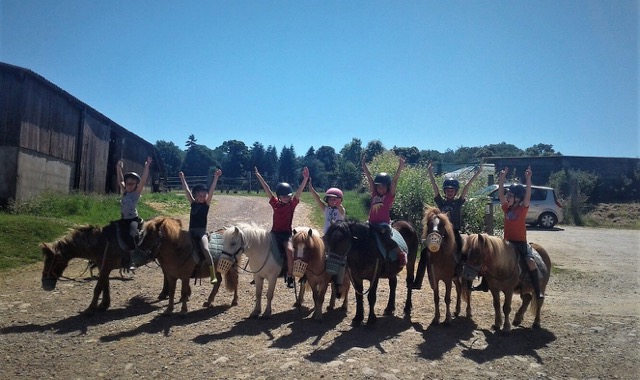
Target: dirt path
{"x":589,"y":326}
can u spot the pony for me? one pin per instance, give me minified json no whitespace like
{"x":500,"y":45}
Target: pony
{"x":94,"y":243}
{"x":254,"y":242}
{"x":164,"y":240}
{"x":500,"y":263}
{"x":440,"y":253}
{"x":308,"y":247}
{"x":365,"y":261}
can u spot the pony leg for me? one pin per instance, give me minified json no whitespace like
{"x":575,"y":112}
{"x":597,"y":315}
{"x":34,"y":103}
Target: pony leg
{"x":436,"y":303}
{"x":526,"y":300}
{"x":319,"y":292}
{"x":506,"y":308}
{"x":447,"y":303}
{"x":164,"y":293}
{"x":270,"y":290}
{"x":408,"y":304}
{"x":456,"y":283}
{"x":172,"y":291}
{"x":300,"y":299}
{"x":184,"y":295}
{"x":212,"y":295}
{"x":391,"y":304}
{"x":372,"y":296}
{"x":256,"y":310}
{"x":537,"y":305}
{"x":102,"y":287}
{"x":359,"y":317}
{"x":496,"y":308}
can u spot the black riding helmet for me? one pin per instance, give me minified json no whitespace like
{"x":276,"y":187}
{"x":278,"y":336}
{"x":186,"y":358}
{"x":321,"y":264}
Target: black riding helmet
{"x":133,"y":175}
{"x":382,"y":179}
{"x":283,"y":189}
{"x":198,"y":188}
{"x":451,"y":183}
{"x":517,"y":190}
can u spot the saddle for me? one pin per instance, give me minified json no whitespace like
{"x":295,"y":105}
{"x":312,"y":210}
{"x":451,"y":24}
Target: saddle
{"x":524,"y":268}
{"x":215,"y":248}
{"x":389,"y":254}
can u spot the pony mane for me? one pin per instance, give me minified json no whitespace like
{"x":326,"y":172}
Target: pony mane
{"x":495,"y":249}
{"x":253,"y":232}
{"x":171,"y":229}
{"x":301,"y":235}
{"x":83,"y":236}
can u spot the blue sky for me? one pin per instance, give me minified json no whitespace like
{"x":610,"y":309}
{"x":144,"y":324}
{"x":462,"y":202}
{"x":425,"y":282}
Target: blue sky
{"x":431,"y":74}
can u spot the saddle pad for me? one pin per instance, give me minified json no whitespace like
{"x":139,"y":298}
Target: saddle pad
{"x":397,"y":237}
{"x":542,"y":267}
{"x":275,"y":252}
{"x":215,"y":244}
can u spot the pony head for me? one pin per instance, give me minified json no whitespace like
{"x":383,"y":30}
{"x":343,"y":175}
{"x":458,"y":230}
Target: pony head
{"x":54,"y":264}
{"x":437,"y":228}
{"x":306,"y":242}
{"x":160,"y":230}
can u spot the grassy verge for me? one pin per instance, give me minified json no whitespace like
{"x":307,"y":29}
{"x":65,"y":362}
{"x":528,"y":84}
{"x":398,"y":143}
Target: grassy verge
{"x":49,"y":216}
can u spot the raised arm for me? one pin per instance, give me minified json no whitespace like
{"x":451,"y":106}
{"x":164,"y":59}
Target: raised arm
{"x":466,"y":188}
{"x":313,"y":192}
{"x":119,"y":167}
{"x":185,"y":187}
{"x":365,"y":169}
{"x":527,"y":194}
{"x":501,"y":178}
{"x":145,"y":175}
{"x":432,"y":179}
{"x":265,"y":187}
{"x":396,"y":177}
{"x":305,"y":178}
{"x":212,"y":189}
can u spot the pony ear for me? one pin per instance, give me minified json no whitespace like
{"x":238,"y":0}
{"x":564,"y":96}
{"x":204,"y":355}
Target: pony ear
{"x":294,"y":231}
{"x":310,"y":232}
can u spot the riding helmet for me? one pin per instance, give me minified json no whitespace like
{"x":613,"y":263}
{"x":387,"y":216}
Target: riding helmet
{"x":517,"y":190}
{"x":198,"y":188}
{"x":133,"y":175}
{"x":333,"y":192}
{"x":451,"y":183}
{"x":382,"y":179}
{"x":283,"y":189}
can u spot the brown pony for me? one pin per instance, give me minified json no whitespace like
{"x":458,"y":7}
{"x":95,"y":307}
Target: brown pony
{"x":308,"y":247}
{"x":500,"y":263}
{"x":164,"y":239}
{"x":441,"y":257}
{"x":97,"y":244}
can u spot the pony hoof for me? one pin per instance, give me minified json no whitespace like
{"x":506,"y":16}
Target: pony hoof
{"x":356,"y":323}
{"x":516,"y":323}
{"x":234,"y":303}
{"x":207,"y":305}
{"x":163,"y":296}
{"x":388,"y":312}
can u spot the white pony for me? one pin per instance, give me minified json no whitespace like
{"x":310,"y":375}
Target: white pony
{"x":255,"y":242}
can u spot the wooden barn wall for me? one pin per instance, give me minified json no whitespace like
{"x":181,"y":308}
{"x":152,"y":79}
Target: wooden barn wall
{"x":10,"y":108}
{"x":94,"y":156}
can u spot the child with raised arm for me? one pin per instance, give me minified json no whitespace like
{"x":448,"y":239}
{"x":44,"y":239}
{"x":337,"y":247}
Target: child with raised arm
{"x":131,"y":184}
{"x":284,"y":203}
{"x":383,"y":192}
{"x":200,"y":199}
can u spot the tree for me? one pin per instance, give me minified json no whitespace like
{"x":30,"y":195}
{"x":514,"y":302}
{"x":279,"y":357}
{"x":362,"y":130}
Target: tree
{"x":540,"y":150}
{"x":236,"y":158}
{"x":287,"y":169}
{"x":374,"y":148}
{"x":328,"y":156}
{"x":271,"y":164}
{"x":198,"y":160}
{"x":411,"y":155}
{"x":191,"y":141}
{"x":352,"y":152}
{"x":257,"y":156}
{"x":171,"y":156}
{"x":347,"y":175}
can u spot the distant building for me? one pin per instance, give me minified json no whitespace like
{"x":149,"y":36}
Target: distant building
{"x":51,"y":141}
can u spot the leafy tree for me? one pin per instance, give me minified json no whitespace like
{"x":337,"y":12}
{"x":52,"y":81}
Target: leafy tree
{"x":352,"y":152}
{"x":257,"y":156}
{"x":328,"y":156}
{"x":236,"y":159}
{"x":429,"y":156}
{"x":171,"y":155}
{"x":373,"y":149}
{"x":540,"y":150}
{"x":347,"y":175}
{"x":270,"y":165}
{"x":504,"y":150}
{"x":411,"y":155}
{"x":198,"y":160}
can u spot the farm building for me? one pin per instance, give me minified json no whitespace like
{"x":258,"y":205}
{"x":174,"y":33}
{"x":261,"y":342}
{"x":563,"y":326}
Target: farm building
{"x":51,"y":141}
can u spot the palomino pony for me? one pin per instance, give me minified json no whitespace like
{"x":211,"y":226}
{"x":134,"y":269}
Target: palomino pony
{"x":255,"y":243}
{"x":308,"y":247}
{"x":441,"y":257}
{"x":164,"y":239}
{"x":97,"y":244}
{"x":500,"y":263}
{"x":365,"y":261}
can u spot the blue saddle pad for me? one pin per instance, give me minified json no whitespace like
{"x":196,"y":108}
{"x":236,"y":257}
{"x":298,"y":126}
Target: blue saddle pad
{"x":397,"y":237}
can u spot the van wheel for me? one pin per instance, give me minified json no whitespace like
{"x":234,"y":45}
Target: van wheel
{"x":547,"y":220}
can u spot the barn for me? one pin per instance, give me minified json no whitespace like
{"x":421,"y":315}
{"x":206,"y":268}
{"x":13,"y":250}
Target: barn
{"x":51,"y":141}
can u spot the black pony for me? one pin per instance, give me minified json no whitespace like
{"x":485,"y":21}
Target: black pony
{"x":365,"y":261}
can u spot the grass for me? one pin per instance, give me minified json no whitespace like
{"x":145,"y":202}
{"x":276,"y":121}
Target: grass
{"x":47,"y":217}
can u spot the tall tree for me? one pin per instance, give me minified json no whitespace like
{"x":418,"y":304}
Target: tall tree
{"x":287,"y":170}
{"x":198,"y":160}
{"x":271,"y":164}
{"x":352,"y":152}
{"x":191,"y":141}
{"x":348,"y":175}
{"x":258,"y":155}
{"x":328,"y":156}
{"x":540,"y":150}
{"x":171,"y":156}
{"x":374,"y":148}
{"x":411,"y":155}
{"x":236,"y":158}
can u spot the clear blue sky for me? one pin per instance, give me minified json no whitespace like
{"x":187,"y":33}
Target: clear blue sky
{"x":431,"y":74}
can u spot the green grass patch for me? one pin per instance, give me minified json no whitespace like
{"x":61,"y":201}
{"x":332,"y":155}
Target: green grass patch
{"x":48,"y":217}
{"x":354,"y":204}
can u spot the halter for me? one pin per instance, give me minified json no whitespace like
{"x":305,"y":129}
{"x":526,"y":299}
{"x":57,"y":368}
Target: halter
{"x":154,"y":247}
{"x":234,"y":256}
